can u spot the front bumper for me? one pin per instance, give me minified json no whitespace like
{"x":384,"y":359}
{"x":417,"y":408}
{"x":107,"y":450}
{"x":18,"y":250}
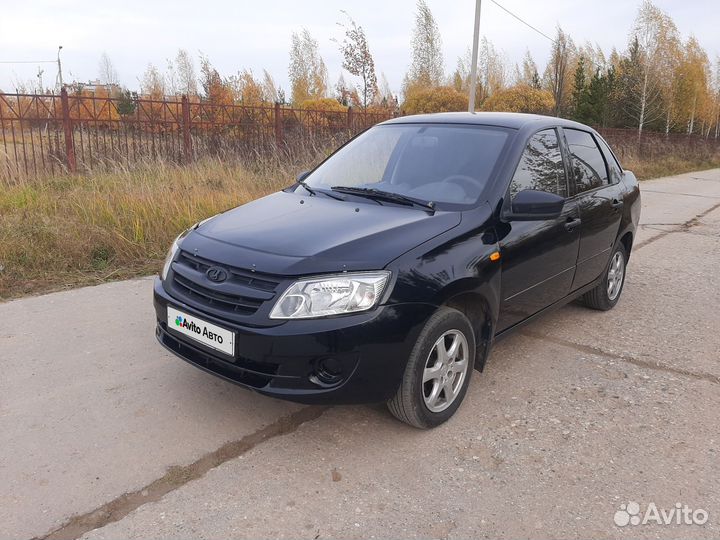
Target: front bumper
{"x":367,"y":352}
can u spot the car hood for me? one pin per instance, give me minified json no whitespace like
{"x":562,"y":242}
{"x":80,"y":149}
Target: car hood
{"x":290,"y":234}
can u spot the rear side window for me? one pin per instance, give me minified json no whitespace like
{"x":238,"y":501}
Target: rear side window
{"x":611,"y":160}
{"x":541,"y":166}
{"x":588,"y":164}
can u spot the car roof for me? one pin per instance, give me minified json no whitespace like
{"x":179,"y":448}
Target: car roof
{"x":498,"y":119}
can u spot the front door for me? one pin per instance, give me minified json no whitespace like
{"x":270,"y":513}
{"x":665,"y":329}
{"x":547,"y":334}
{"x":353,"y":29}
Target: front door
{"x":598,"y":195}
{"x":538,"y":257}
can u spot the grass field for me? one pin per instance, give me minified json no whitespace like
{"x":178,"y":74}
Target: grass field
{"x":74,"y":230}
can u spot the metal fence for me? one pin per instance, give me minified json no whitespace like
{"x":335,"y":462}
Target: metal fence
{"x":48,"y":134}
{"x":69,"y":132}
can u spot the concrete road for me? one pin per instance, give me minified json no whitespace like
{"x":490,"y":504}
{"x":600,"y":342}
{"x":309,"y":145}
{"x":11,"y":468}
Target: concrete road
{"x":104,"y":435}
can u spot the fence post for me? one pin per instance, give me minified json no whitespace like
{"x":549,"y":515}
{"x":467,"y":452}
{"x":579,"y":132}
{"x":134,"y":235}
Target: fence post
{"x":350,"y":119}
{"x":187,"y":140}
{"x":278,"y":125}
{"x":68,"y":131}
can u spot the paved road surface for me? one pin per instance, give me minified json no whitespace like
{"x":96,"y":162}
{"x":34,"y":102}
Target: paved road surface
{"x":103,"y":434}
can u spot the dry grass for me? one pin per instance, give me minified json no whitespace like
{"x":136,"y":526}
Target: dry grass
{"x":66,"y":231}
{"x":77,"y":230}
{"x":669,"y":165}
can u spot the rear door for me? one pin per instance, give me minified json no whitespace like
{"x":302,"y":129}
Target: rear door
{"x":538,"y":257}
{"x":597,"y":191}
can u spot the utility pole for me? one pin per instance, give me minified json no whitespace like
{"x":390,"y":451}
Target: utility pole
{"x":60,"y":79}
{"x":473,"y":65}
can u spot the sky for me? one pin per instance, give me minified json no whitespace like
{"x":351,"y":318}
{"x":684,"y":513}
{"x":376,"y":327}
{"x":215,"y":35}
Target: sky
{"x":236,"y":34}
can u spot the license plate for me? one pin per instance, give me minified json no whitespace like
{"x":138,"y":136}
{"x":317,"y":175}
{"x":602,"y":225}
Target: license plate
{"x":201,"y":331}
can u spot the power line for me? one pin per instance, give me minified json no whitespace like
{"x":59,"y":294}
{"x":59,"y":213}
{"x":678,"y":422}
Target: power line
{"x":543,"y":34}
{"x":506,"y":10}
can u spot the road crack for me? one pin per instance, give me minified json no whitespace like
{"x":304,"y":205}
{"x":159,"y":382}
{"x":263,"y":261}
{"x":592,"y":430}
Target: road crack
{"x":681,"y":227}
{"x":588,"y":349}
{"x":177,"y":476}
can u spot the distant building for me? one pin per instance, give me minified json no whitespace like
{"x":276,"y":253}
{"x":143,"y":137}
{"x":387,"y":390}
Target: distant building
{"x":93,"y":86}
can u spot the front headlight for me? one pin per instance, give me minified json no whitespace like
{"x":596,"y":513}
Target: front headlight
{"x":171,"y":253}
{"x":335,"y":294}
{"x":169,"y":258}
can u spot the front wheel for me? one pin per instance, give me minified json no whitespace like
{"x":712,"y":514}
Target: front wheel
{"x":438,"y":371}
{"x":607,"y":293}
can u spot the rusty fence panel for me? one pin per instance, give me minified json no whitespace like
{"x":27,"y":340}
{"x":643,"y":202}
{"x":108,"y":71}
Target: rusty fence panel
{"x":83,"y":131}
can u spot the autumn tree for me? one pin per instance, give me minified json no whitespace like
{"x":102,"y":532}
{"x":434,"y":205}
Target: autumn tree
{"x":269,"y":88}
{"x":307,"y":72}
{"x":385,"y":96}
{"x":716,"y":94}
{"x":215,"y":89}
{"x":492,"y":69}
{"x":344,"y":94}
{"x":152,"y":83}
{"x":528,"y":74}
{"x":651,"y":36}
{"x":358,"y":61}
{"x":692,"y":95}
{"x":557,"y":77}
{"x":185,"y":73}
{"x":106,"y":71}
{"x":437,"y":99}
{"x":247,"y":90}
{"x":492,"y":73}
{"x":427,"y":67}
{"x":521,"y":98}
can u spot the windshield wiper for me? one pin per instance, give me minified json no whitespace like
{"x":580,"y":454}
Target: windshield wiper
{"x":307,"y":188}
{"x":312,"y":191}
{"x":377,"y":194}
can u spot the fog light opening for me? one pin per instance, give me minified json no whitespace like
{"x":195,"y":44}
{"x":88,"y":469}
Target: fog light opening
{"x":328,"y":372}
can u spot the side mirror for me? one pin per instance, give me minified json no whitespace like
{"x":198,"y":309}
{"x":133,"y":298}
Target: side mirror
{"x":533,"y":205}
{"x":302,"y":176}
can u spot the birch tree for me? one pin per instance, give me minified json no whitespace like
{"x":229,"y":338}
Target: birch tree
{"x":652,"y":33}
{"x":557,"y":73}
{"x":107,"y":73}
{"x":307,"y":71}
{"x":427,"y":66}
{"x":358,"y":61}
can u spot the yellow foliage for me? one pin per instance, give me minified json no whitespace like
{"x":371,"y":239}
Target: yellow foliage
{"x":429,"y":100}
{"x":322,"y":104}
{"x":521,"y":98}
{"x":323,"y":113}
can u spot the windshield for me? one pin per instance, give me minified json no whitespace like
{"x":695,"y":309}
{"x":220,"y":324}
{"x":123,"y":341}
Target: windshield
{"x":441,"y":163}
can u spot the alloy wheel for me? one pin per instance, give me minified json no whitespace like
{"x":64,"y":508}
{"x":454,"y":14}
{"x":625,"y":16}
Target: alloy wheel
{"x":616,"y":272}
{"x":445,"y":370}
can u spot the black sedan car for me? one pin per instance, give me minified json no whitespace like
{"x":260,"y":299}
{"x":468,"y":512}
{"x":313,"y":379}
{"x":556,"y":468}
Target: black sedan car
{"x":386,"y":273}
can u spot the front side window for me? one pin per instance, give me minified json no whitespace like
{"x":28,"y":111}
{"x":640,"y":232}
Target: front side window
{"x":541,"y":166}
{"x":588,"y":164}
{"x":443,"y":163}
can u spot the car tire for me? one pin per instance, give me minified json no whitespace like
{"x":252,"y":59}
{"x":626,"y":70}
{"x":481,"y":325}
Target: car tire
{"x":425,"y":403}
{"x":607,"y":293}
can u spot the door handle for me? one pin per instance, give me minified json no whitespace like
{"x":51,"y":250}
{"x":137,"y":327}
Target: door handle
{"x":616,"y":203}
{"x":571,"y":223}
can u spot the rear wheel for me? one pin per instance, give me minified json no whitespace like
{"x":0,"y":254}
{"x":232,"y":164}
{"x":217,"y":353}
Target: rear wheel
{"x":607,"y":293}
{"x":438,"y":372}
